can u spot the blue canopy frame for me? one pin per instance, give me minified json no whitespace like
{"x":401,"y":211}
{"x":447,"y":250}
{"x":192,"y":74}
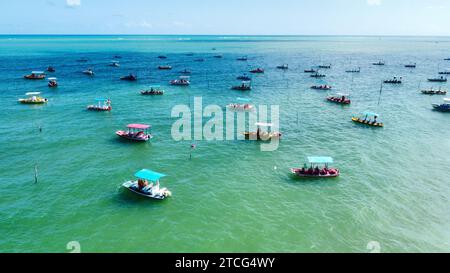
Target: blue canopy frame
{"x":320,"y":160}
{"x":149,"y":175}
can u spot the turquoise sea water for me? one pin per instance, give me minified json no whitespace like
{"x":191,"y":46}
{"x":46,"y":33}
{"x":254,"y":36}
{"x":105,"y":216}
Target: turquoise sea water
{"x":231,"y":197}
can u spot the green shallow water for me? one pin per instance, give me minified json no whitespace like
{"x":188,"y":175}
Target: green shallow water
{"x":231,"y":197}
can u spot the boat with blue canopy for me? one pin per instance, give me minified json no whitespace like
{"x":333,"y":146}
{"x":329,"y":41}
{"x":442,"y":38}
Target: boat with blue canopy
{"x":370,"y":119}
{"x":318,"y":168}
{"x":147,"y":185}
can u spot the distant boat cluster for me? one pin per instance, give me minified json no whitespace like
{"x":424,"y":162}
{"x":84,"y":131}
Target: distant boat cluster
{"x":141,"y":132}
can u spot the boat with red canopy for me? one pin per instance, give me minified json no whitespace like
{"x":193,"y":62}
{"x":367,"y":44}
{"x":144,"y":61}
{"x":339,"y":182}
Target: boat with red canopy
{"x":136,"y":132}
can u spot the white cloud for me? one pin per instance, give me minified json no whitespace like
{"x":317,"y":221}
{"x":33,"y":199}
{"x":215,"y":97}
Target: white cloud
{"x":373,"y":2}
{"x":73,"y":3}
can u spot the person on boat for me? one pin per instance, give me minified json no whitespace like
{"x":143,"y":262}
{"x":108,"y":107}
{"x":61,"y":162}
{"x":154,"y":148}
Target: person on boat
{"x":374,"y":120}
{"x":343,"y":99}
{"x":142,"y":184}
{"x":258,"y":133}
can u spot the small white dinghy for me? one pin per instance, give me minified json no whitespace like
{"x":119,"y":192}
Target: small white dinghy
{"x":143,"y":188}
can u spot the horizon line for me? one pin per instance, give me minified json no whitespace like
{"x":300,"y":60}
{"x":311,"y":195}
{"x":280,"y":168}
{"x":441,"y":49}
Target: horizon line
{"x":242,"y":35}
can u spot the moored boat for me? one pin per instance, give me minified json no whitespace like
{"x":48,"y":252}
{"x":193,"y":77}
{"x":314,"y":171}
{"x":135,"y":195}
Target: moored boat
{"x":318,"y":75}
{"x":153,"y":90}
{"x":241,"y":105}
{"x":165,"y":67}
{"x":136,"y":132}
{"x":33,"y":98}
{"x":243,"y":58}
{"x":142,"y":186}
{"x":102,"y":105}
{"x":357,"y":70}
{"x":321,"y":87}
{"x":283,"y":67}
{"x":431,"y":91}
{"x":439,"y":79}
{"x":244,"y":86}
{"x":379,"y":63}
{"x":262,"y":135}
{"x":114,"y":64}
{"x":447,"y":72}
{"x":36,"y":75}
{"x":181,"y":81}
{"x":51,"y":69}
{"x":368,"y":120}
{"x":340,"y":98}
{"x":443,"y":107}
{"x":52,"y":82}
{"x":325,"y":66}
{"x":257,"y":71}
{"x":312,"y":70}
{"x":394,"y":80}
{"x":89,"y":72}
{"x":414,"y":65}
{"x":130,"y":77}
{"x":313,"y":171}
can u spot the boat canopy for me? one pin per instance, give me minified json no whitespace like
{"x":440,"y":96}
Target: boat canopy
{"x":243,"y":99}
{"x":52,"y":79}
{"x":343,"y":94}
{"x":447,"y":99}
{"x":33,"y":93}
{"x":37,"y":72}
{"x":262,"y":124}
{"x":320,"y":160}
{"x":149,"y":175}
{"x":138,"y":126}
{"x":367,"y":113}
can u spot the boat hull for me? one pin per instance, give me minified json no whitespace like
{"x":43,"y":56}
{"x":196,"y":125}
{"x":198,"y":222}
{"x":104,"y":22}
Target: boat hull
{"x":339,"y":101}
{"x":297,"y":173}
{"x":441,"y":108}
{"x":29,"y":77}
{"x":359,"y":121}
{"x":133,"y":187}
{"x":125,"y":135}
{"x":98,"y":109}
{"x":25,"y":101}
{"x":261,"y":137}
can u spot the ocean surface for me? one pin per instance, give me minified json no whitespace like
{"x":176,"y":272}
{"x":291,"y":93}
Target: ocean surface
{"x":393,"y":191}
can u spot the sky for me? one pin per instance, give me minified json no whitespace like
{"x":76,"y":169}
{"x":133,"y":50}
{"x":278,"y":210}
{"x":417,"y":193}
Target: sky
{"x":233,"y":17}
